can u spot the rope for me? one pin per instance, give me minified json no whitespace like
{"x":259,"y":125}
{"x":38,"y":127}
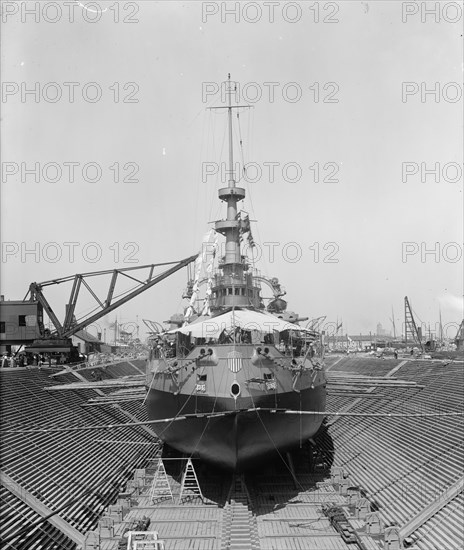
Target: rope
{"x":209,"y":418}
{"x":272,"y":441}
{"x":278,"y":452}
{"x":227,"y":413}
{"x":241,"y":147}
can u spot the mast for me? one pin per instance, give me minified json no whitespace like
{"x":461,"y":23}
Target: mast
{"x":231,"y":149}
{"x":440,"y":329}
{"x":393,"y":323}
{"x":234,"y":287}
{"x":232,"y":233}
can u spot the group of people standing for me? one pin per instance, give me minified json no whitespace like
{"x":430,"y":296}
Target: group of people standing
{"x":20,"y":360}
{"x":23,"y":359}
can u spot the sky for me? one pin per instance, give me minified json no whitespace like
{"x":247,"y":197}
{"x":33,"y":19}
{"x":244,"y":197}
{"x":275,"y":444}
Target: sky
{"x":366,"y":103}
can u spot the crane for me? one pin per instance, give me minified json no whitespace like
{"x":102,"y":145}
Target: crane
{"x":459,"y":339}
{"x":106,"y":303}
{"x":411,"y":331}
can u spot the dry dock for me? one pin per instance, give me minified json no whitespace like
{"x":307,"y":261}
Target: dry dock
{"x":363,"y":481}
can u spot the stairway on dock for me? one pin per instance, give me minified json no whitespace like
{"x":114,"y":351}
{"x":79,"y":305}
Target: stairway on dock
{"x":240,"y":527}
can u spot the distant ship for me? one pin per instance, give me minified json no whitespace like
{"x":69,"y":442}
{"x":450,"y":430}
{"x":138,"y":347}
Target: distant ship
{"x":229,"y":383}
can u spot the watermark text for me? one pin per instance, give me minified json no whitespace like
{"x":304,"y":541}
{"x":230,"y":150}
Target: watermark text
{"x":69,"y":172}
{"x":71,"y":251}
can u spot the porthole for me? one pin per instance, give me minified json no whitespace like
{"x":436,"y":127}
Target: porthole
{"x":235,"y":389}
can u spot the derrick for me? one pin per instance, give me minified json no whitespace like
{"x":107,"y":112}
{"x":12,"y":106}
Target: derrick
{"x":144,"y":278}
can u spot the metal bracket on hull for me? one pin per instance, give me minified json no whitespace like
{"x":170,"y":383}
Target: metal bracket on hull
{"x":175,"y":379}
{"x":296,"y":375}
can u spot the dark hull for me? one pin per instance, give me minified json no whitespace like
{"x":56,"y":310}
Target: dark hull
{"x":240,"y":439}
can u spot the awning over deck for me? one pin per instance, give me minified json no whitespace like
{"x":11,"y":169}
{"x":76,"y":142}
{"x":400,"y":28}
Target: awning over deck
{"x":212,"y":327}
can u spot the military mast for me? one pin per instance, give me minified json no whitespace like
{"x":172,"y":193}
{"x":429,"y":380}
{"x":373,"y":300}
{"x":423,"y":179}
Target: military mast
{"x":233,"y":285}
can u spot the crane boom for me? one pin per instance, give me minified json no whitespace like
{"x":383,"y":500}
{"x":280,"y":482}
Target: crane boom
{"x":411,"y":331}
{"x":106,"y":305}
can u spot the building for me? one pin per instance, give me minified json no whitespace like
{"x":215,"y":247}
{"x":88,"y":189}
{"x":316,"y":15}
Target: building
{"x":21,"y":322}
{"x":86,"y":343}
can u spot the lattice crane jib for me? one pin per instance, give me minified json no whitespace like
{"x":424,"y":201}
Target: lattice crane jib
{"x":104,"y":303}
{"x":412,"y":334}
{"x":459,"y":340}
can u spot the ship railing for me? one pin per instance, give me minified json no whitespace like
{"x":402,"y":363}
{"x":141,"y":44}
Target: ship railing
{"x":220,"y":278}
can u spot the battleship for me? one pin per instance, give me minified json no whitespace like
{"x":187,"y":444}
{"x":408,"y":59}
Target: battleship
{"x":239,"y":380}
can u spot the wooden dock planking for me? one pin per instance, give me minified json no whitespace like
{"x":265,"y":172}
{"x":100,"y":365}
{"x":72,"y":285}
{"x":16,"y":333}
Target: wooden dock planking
{"x":314,"y":543}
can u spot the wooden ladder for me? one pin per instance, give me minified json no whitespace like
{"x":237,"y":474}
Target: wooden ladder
{"x":160,"y":488}
{"x":190,"y":487}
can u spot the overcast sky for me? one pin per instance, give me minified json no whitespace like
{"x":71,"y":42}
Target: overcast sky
{"x":349,"y":249}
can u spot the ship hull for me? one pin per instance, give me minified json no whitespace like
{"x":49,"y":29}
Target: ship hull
{"x":241,"y":438}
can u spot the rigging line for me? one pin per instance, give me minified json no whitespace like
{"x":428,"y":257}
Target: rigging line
{"x":209,"y":417}
{"x":212,"y":132}
{"x":216,"y":183}
{"x":172,"y":420}
{"x":263,"y":257}
{"x":278,"y":451}
{"x":199,"y":178}
{"x":250,"y":194}
{"x":175,"y":417}
{"x":210,"y":103}
{"x":123,"y":442}
{"x":177,"y":414}
{"x":211,"y":147}
{"x":417,"y":317}
{"x":226,"y":413}
{"x":271,"y":440}
{"x":151,"y":384}
{"x":237,"y":138}
{"x":243,"y":171}
{"x":251,"y":119}
{"x":211,"y":153}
